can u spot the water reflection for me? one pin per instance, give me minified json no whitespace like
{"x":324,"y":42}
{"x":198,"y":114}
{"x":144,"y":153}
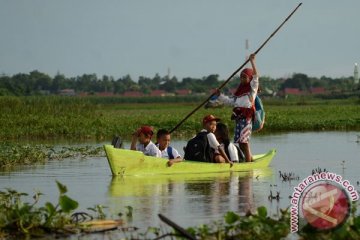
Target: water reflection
{"x":181,"y":197}
{"x":234,"y":187}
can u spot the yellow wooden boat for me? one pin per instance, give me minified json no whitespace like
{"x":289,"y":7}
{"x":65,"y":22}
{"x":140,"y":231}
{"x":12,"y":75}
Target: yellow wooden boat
{"x":128,"y":162}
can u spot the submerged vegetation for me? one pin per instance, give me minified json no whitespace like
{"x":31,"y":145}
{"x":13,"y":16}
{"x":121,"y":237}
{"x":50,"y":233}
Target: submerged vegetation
{"x":100,"y":117}
{"x":13,"y":154}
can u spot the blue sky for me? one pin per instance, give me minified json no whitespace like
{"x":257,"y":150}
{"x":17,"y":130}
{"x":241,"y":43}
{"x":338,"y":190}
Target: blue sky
{"x":194,"y":38}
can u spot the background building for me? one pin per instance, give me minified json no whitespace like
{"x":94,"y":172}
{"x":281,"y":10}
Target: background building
{"x":356,"y":74}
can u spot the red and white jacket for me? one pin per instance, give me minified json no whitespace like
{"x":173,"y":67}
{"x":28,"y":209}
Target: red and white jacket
{"x":243,"y":99}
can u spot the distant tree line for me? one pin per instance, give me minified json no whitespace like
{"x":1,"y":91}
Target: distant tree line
{"x":38,"y":83}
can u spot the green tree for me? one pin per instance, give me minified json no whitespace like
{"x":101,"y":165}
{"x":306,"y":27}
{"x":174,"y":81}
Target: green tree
{"x":20,"y":84}
{"x":58,"y":83}
{"x":298,"y":80}
{"x":4,"y":86}
{"x":169,"y":85}
{"x":211,"y":81}
{"x":107,"y":84}
{"x":87,"y":83}
{"x":125,"y":84}
{"x":40,"y":81}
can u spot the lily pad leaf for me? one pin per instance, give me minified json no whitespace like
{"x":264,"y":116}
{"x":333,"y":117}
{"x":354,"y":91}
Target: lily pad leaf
{"x":67,"y":204}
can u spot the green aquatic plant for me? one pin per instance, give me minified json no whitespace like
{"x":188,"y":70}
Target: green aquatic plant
{"x":24,"y":218}
{"x":129,"y":212}
{"x":20,"y":218}
{"x":72,"y":152}
{"x":251,"y":226}
{"x":101,"y":118}
{"x":262,"y":226}
{"x":14,"y":154}
{"x":11,"y":154}
{"x":98,"y":209}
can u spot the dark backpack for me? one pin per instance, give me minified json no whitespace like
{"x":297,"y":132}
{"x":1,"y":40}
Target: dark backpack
{"x":198,"y":149}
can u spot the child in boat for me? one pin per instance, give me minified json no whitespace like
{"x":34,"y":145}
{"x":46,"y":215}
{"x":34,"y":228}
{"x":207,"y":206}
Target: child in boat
{"x":222,"y":135}
{"x":143,"y":137}
{"x":168,"y":152}
{"x":217,"y":153}
{"x":244,"y":109}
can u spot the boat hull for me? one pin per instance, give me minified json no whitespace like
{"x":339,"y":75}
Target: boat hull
{"x":125,"y":162}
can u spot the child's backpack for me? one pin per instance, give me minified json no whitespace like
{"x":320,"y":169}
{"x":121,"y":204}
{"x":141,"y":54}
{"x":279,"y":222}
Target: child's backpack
{"x":198,"y":149}
{"x":259,"y":116}
{"x":169,"y":152}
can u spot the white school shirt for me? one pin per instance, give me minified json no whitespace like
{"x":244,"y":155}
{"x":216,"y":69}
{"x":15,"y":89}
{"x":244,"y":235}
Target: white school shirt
{"x":234,"y":156}
{"x":242,"y":101}
{"x":233,"y":152}
{"x":164,"y":153}
{"x":149,"y":150}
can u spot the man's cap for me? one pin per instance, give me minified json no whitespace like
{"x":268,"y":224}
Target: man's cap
{"x":210,"y":118}
{"x":147,"y":130}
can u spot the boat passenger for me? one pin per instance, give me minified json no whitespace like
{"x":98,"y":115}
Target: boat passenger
{"x":232,"y":151}
{"x":143,"y":137}
{"x":244,"y":108}
{"x":168,"y":152}
{"x":209,"y":125}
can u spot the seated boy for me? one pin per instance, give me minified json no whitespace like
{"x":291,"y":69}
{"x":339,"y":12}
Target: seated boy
{"x":168,"y":152}
{"x":215,"y":153}
{"x":145,"y":145}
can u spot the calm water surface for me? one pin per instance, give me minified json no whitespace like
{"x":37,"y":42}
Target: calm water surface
{"x":194,"y":199}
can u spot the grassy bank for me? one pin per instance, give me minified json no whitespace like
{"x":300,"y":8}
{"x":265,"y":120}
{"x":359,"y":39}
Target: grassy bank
{"x":99,"y":118}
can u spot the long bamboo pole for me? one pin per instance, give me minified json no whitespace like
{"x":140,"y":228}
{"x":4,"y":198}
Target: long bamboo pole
{"x":236,"y":71}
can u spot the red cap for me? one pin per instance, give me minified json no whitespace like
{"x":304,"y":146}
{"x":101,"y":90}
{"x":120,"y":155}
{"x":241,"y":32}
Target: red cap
{"x":210,"y":118}
{"x":147,"y":130}
{"x":248,"y":72}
